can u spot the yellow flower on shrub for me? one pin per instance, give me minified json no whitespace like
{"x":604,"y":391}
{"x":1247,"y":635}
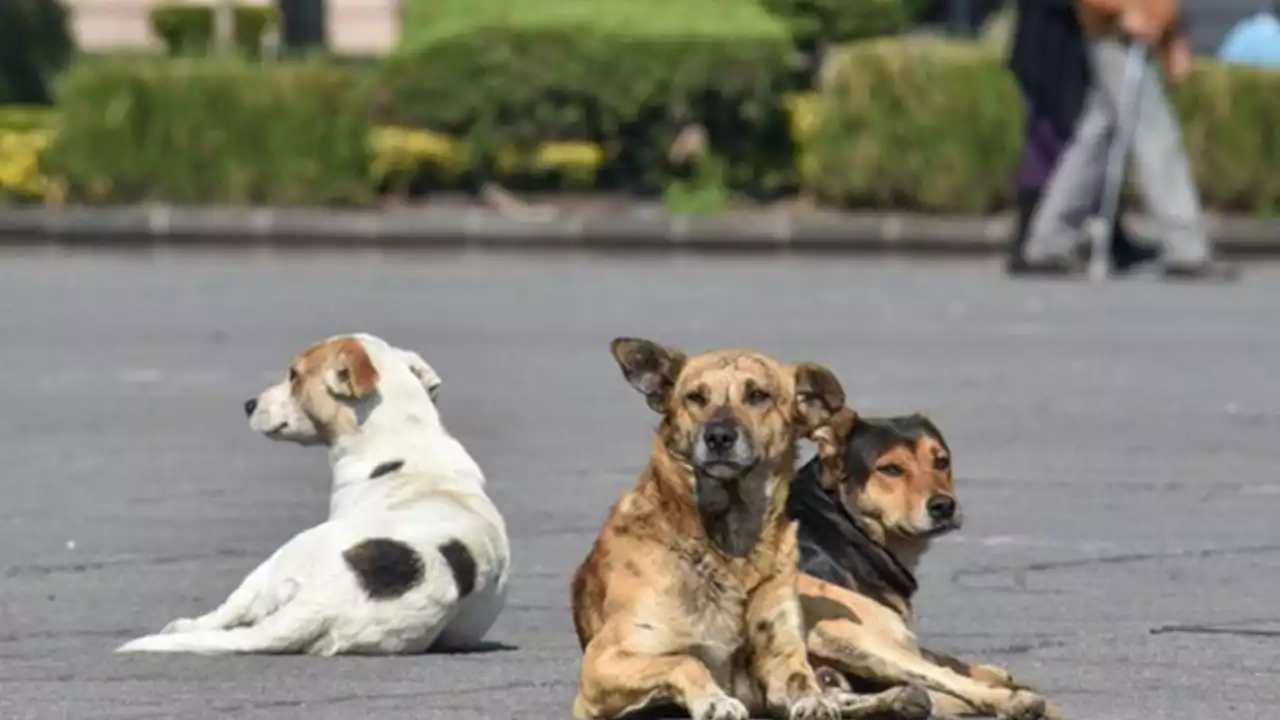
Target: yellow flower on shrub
{"x":20,"y":174}
{"x":400,"y":151}
{"x":569,"y":156}
{"x":804,"y":110}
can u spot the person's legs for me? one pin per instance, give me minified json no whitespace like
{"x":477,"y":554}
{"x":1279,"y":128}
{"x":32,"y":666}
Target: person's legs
{"x":1043,"y":146}
{"x":1164,"y":174}
{"x":1074,"y":187}
{"x":1163,"y":171}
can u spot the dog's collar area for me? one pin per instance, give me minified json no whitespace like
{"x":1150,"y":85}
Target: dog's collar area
{"x":732,"y":512}
{"x":865,"y":563}
{"x":386,"y":468}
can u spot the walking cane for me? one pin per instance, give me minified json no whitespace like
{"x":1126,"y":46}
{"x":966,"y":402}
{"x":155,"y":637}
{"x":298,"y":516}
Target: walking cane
{"x":1113,"y":180}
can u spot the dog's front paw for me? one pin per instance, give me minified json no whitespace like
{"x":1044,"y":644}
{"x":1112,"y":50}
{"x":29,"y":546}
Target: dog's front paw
{"x":993,"y":675}
{"x":912,"y":703}
{"x":181,"y":625}
{"x":814,"y":707}
{"x":1029,"y":706}
{"x":719,"y":707}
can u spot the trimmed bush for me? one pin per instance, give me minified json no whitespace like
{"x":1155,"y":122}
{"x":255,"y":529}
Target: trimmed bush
{"x":622,"y":75}
{"x":213,"y":131}
{"x":936,"y":125}
{"x":815,"y":22}
{"x":25,"y":134}
{"x":187,"y":29}
{"x":1229,"y":117}
{"x":35,"y":44}
{"x":23,"y":118}
{"x":921,"y":124}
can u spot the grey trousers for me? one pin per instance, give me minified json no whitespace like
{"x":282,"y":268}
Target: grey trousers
{"x":1074,"y":192}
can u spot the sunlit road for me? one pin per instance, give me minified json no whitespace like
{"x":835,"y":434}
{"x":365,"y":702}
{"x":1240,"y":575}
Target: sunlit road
{"x":1117,"y":448}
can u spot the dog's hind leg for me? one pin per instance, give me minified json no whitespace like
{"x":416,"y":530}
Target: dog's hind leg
{"x":294,"y":628}
{"x":906,"y":702}
{"x":254,"y":599}
{"x":990,"y":674}
{"x":875,"y":656}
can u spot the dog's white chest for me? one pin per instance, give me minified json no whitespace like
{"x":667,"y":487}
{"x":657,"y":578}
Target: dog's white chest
{"x":715,"y":605}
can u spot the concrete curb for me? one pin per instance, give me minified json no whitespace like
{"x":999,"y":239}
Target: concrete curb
{"x":640,"y":227}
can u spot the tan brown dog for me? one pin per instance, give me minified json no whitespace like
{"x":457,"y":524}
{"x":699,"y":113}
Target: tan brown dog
{"x":688,"y":595}
{"x":868,"y":506}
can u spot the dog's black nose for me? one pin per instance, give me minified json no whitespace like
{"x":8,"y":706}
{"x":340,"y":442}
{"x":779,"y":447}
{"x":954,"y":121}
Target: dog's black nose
{"x":720,"y":437}
{"x":250,"y":405}
{"x":941,"y":508}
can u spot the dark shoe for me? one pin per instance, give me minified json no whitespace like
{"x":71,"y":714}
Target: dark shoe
{"x":1026,"y":207}
{"x":1128,"y":254}
{"x":1208,"y":270}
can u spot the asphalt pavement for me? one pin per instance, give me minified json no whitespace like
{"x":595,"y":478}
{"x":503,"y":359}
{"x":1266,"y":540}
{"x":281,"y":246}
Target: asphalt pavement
{"x":1116,"y":449}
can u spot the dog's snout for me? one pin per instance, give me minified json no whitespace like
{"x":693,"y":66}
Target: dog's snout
{"x":720,"y":436}
{"x":250,"y":405}
{"x":941,"y":508}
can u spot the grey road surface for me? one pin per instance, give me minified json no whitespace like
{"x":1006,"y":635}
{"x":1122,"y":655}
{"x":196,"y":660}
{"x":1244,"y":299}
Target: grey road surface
{"x":1117,"y":450}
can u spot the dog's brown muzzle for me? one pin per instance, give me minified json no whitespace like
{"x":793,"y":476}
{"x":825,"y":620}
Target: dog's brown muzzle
{"x":723,"y":449}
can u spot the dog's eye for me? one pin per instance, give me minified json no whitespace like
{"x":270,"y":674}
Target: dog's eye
{"x":941,"y":463}
{"x":891,"y":469}
{"x":293,"y":375}
{"x":756,"y":396}
{"x":696,"y":399}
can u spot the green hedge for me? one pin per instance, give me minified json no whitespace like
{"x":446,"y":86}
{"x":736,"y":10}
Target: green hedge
{"x":622,"y":74}
{"x":934,"y":125}
{"x":839,"y":21}
{"x":35,"y":44}
{"x":919,"y":124}
{"x":212,"y":131}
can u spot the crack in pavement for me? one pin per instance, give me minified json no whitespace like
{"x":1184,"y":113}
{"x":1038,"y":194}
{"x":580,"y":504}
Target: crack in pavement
{"x":44,"y":570}
{"x":64,"y":634}
{"x":1019,"y":570}
{"x":1213,"y":630}
{"x":1022,"y":648}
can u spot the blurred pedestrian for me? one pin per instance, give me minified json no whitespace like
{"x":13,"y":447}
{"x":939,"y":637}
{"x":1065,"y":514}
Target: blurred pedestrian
{"x":1254,"y":41}
{"x":1164,"y":172}
{"x":1049,"y":58}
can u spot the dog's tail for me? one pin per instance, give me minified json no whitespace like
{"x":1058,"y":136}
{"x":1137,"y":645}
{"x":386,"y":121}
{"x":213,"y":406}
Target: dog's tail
{"x":289,"y":630}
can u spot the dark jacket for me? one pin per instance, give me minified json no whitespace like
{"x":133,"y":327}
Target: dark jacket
{"x":1050,"y":60}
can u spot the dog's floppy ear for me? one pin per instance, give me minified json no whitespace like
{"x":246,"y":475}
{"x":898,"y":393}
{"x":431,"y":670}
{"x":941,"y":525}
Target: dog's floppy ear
{"x":422,"y":370}
{"x":819,"y":396}
{"x":649,"y":367}
{"x":831,"y":439}
{"x":351,"y":373}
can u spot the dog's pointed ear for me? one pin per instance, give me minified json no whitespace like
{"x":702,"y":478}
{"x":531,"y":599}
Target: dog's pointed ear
{"x":819,"y":396}
{"x":650,"y":368}
{"x":351,"y":373}
{"x":422,"y":370}
{"x":831,"y":439}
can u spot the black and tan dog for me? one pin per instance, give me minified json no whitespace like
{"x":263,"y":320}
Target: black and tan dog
{"x":868,"y":506}
{"x":688,"y":596}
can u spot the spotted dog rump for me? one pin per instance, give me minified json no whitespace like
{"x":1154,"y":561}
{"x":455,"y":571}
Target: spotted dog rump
{"x":413,"y":556}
